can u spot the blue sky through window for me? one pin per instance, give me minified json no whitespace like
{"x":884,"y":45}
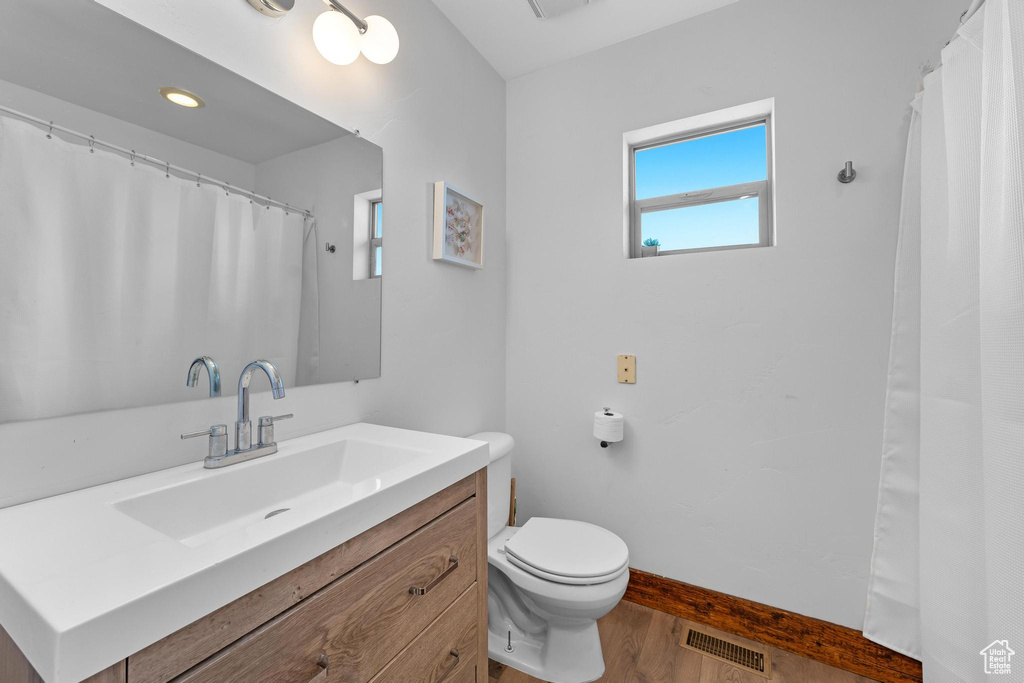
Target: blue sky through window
{"x":705,"y":225}
{"x":731,"y":158}
{"x":739,"y":156}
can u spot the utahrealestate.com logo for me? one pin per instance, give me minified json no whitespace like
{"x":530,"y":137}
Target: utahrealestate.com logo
{"x":997,"y":657}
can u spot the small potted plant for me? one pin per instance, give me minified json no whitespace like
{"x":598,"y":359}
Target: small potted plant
{"x":650,"y":247}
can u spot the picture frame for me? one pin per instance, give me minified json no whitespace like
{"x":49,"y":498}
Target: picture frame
{"x":458,"y":227}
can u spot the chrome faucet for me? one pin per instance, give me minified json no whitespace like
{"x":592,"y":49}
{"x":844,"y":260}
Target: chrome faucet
{"x":219,"y":456}
{"x":243,"y":427}
{"x":212,"y":369}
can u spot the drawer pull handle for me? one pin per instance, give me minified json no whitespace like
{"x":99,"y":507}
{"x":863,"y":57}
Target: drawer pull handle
{"x":451,"y":667}
{"x":452,"y":566}
{"x":322,"y":676}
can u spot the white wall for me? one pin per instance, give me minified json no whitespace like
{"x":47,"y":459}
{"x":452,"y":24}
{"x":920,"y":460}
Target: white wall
{"x":439,"y":113}
{"x":752,"y":446}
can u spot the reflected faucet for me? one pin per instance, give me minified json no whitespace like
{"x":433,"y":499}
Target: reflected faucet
{"x":212,"y":369}
{"x":243,"y":426}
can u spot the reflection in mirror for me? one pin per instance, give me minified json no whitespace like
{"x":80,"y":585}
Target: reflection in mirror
{"x":156,"y":208}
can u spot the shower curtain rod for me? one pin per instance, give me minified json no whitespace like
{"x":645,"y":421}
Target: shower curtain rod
{"x":50,"y":126}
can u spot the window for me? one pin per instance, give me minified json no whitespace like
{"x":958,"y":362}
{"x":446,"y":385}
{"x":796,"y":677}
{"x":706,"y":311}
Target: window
{"x":376,"y":237}
{"x":702,"y":184}
{"x":367,"y":234}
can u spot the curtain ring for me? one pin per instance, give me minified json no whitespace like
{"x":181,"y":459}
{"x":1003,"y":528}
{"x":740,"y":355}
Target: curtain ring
{"x":92,"y":141}
{"x":49,"y":133}
{"x":167,"y":169}
{"x":199,"y":177}
{"x":132,"y":157}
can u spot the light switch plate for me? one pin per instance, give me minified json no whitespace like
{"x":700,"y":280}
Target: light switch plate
{"x":627,"y":369}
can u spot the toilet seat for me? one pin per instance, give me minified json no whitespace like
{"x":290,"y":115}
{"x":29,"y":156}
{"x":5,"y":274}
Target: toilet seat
{"x":565,"y":580}
{"x":567,"y":551}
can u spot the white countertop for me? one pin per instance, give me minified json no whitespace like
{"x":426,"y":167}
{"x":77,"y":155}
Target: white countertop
{"x":84,"y":585}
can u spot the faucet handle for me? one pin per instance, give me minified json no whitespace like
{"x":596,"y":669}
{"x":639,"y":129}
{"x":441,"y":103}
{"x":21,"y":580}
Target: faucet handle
{"x":218,"y":438}
{"x":266,"y":427}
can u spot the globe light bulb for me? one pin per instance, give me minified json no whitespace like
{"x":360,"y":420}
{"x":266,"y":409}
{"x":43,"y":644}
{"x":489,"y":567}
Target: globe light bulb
{"x":380,"y":42}
{"x":336,"y":38}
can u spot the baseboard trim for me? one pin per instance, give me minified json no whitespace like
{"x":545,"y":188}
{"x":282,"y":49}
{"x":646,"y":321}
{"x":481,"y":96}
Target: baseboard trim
{"x":838,"y":646}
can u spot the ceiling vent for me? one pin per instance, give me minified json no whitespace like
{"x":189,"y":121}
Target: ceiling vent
{"x":545,"y":9}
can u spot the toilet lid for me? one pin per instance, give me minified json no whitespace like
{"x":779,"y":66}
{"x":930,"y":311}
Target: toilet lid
{"x":566,"y":548}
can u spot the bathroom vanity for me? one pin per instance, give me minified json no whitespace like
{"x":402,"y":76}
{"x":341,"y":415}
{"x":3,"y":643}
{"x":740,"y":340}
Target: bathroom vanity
{"x":375,"y":571}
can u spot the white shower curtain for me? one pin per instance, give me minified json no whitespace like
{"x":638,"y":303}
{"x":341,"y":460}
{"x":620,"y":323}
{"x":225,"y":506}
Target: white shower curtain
{"x":947,"y":574}
{"x":113,"y":277}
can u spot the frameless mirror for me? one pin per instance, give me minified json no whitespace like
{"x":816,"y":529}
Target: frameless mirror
{"x":155,"y":208}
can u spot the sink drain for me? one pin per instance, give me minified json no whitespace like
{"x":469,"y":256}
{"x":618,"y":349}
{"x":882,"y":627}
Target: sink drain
{"x":276,"y":512}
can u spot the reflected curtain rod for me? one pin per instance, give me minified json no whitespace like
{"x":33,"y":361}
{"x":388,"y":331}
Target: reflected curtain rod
{"x":132,"y":155}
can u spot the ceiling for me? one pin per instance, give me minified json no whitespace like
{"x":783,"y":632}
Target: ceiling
{"x":81,"y":52}
{"x":515,"y":42}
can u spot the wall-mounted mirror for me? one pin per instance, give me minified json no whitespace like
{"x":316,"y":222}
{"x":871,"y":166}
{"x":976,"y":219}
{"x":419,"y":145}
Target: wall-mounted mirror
{"x":171,"y":210}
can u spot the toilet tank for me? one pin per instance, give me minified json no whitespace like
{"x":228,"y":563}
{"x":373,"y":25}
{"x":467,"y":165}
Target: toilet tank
{"x":499,"y":479}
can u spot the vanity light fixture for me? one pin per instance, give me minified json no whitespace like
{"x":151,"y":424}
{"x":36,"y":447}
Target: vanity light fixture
{"x":183,"y":98}
{"x":340,"y":35}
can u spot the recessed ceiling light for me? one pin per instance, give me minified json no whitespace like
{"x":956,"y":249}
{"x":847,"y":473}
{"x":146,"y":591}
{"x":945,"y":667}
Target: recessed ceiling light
{"x":183,"y":98}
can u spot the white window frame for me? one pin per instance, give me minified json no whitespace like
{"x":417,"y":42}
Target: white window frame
{"x":374,"y":240}
{"x":707,"y":125}
{"x":362,"y":215}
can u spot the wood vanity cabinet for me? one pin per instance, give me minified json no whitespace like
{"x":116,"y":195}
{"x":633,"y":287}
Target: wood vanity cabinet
{"x":404,"y":602}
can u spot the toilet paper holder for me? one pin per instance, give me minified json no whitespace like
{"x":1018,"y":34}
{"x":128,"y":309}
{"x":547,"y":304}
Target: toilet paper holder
{"x":608,"y":412}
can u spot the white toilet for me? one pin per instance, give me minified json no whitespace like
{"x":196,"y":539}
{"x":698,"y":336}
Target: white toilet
{"x":548,"y":582}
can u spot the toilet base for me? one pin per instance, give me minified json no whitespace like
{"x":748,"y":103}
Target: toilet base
{"x":566,"y":653}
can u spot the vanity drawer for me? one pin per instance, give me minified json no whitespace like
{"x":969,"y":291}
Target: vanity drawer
{"x":446,"y":651}
{"x":362,"y":620}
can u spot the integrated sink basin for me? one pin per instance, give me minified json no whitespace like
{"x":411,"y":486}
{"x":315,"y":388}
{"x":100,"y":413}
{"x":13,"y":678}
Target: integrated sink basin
{"x":90,"y":577}
{"x":233,"y":499}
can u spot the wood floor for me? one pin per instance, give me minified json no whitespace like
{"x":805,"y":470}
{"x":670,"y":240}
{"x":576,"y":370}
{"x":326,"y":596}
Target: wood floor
{"x":641,"y":645}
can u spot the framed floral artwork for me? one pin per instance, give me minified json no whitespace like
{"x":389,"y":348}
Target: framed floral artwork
{"x":458,"y":227}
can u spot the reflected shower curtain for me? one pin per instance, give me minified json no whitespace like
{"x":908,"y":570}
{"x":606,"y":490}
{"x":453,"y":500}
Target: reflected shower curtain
{"x":947,"y":574}
{"x":111,"y":273}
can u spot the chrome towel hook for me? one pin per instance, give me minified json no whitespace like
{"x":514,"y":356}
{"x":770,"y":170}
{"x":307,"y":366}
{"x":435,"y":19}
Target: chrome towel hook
{"x":847,"y":175}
